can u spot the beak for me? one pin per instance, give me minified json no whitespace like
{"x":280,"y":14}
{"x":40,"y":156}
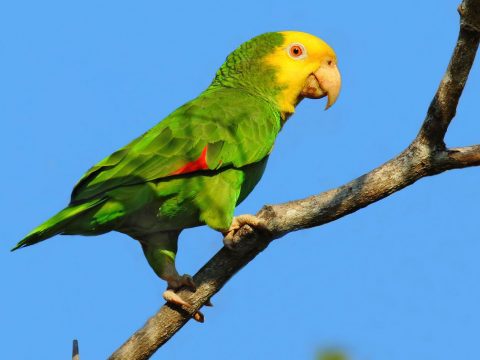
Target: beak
{"x":325,"y":81}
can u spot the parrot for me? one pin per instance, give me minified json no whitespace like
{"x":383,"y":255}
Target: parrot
{"x":197,"y":164}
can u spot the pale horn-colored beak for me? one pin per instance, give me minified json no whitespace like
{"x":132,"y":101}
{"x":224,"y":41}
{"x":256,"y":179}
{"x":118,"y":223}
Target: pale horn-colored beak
{"x":325,"y":81}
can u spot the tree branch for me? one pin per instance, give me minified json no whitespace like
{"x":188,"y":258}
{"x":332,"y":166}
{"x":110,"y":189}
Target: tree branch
{"x":444,"y":104}
{"x":75,"y":353}
{"x":427,"y":155}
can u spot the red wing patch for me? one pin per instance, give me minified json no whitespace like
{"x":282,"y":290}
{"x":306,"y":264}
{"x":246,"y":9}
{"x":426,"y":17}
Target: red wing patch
{"x":199,"y":164}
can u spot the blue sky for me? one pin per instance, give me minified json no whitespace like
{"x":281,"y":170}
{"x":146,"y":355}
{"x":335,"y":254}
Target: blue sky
{"x":397,"y":280}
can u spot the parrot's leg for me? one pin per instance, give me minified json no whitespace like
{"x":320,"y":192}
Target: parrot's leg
{"x":237,"y":223}
{"x":160,"y":250}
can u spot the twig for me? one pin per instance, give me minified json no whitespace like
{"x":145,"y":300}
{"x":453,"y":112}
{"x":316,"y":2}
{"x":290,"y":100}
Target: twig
{"x":75,"y":354}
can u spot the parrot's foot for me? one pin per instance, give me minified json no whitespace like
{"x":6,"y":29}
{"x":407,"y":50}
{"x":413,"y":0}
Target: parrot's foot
{"x":229,"y":236}
{"x":176,"y":282}
{"x":172,"y":297}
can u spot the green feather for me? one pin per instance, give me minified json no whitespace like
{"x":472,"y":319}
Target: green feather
{"x":238,"y":128}
{"x":140,"y":190}
{"x":57,"y":224}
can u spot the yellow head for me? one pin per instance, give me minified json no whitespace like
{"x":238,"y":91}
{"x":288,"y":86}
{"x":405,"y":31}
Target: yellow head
{"x":305,"y":66}
{"x":283,"y":67}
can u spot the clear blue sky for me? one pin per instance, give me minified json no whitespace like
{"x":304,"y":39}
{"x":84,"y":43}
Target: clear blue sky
{"x":397,"y":280}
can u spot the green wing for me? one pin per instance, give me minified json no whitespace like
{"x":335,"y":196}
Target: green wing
{"x":219,"y":129}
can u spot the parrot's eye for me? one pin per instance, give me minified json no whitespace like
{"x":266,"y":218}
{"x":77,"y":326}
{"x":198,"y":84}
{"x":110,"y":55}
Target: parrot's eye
{"x":297,"y":51}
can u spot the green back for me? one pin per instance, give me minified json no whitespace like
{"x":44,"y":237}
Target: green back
{"x":237,"y":128}
{"x":236,"y":121}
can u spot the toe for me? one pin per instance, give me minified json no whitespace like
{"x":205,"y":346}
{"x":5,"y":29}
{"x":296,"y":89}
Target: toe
{"x":173,"y":298}
{"x":178,"y":281}
{"x":198,"y":316}
{"x":253,"y":221}
{"x":187,"y":280}
{"x":228,"y":240}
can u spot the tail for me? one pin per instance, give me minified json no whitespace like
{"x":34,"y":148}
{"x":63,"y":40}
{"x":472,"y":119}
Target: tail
{"x":58,"y":223}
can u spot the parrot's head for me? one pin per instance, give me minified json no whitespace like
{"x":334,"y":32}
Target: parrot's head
{"x":284,"y":67}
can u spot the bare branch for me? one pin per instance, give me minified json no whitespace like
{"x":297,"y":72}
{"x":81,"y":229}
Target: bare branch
{"x":457,"y":158}
{"x":75,"y":353}
{"x":444,"y":104}
{"x":425,"y":156}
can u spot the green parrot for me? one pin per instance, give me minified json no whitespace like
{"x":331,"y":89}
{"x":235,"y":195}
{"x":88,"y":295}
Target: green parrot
{"x":196,"y":165}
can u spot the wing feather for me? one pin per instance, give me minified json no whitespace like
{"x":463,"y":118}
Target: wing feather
{"x":236,"y":129}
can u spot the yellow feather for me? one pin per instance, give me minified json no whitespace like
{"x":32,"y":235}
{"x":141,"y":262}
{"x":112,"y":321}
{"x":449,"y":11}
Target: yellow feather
{"x":292,"y":73}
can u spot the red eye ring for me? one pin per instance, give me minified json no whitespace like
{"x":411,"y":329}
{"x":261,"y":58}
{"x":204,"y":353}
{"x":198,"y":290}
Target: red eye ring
{"x":296,"y":51}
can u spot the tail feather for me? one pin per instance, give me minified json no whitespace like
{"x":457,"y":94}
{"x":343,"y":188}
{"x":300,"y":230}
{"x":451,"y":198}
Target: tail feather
{"x":57,"y":224}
